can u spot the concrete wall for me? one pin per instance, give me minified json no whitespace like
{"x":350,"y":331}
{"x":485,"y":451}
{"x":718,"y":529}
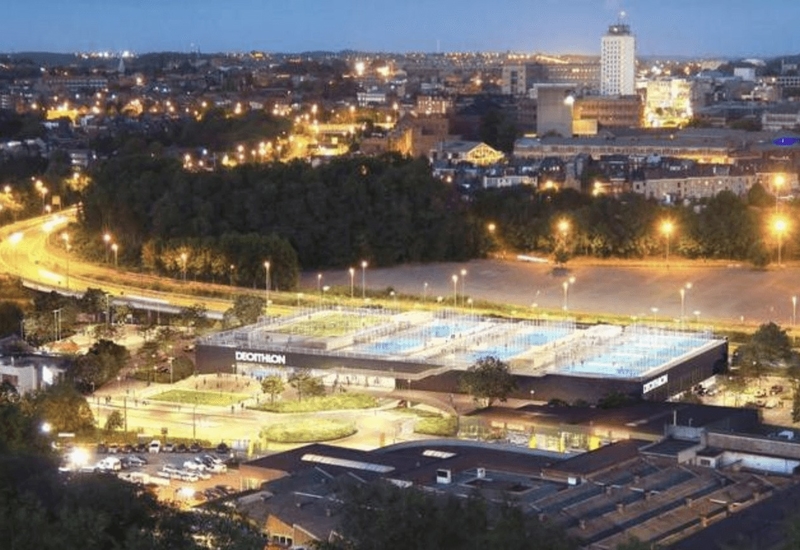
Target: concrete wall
{"x":754,"y":445}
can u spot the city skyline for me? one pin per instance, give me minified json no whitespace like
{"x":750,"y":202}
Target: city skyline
{"x":730,"y":28}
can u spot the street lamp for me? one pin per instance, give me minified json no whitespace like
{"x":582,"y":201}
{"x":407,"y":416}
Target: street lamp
{"x":565,"y":285}
{"x":115,"y":250}
{"x":777,"y":184}
{"x":794,"y":310}
{"x":463,"y":284}
{"x":184,"y":257}
{"x":455,"y":290}
{"x":654,"y":310}
{"x":424,"y":292}
{"x":779,"y":226}
{"x":352,"y":272}
{"x":683,"y":290}
{"x":107,"y":241}
{"x":363,"y":279}
{"x":319,"y":284}
{"x":267,"y":284}
{"x":667,"y":227}
{"x":233,"y":268}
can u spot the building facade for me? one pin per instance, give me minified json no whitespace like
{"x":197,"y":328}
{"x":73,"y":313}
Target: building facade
{"x":618,"y":61}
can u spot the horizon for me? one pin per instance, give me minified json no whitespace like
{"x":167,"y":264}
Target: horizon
{"x":711,"y":29}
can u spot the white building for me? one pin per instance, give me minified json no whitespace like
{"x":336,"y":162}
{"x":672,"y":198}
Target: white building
{"x":618,"y":61}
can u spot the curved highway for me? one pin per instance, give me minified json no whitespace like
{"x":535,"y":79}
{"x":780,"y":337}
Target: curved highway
{"x":27,"y":251}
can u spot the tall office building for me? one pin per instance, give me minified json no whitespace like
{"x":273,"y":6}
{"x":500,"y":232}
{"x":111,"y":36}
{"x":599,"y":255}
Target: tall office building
{"x":618,"y":61}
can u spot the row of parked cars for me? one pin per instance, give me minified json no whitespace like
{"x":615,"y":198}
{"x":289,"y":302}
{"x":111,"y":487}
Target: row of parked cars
{"x":199,"y":467}
{"x":155,"y":446}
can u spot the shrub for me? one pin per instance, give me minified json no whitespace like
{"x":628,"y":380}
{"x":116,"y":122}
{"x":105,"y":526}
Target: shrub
{"x":444,"y":426}
{"x":308,"y":431}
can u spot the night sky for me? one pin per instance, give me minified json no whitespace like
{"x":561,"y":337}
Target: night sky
{"x":663,"y":27}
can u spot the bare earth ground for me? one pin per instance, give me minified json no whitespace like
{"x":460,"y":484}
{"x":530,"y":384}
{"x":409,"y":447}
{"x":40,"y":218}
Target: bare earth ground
{"x":721,"y":291}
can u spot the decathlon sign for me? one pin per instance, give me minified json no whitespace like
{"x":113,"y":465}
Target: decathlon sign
{"x":259,"y":357}
{"x":653,"y":384}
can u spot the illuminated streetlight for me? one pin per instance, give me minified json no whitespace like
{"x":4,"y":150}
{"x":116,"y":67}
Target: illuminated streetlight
{"x":667,"y":227}
{"x":777,"y":184}
{"x":683,"y":290}
{"x":455,"y":290}
{"x":779,"y":227}
{"x":319,"y":284}
{"x":267,"y":285}
{"x":463,"y":284}
{"x":230,"y":276}
{"x":363,"y":279}
{"x":794,"y":310}
{"x":107,"y":241}
{"x":352,"y":272}
{"x":565,"y":285}
{"x":424,"y":292}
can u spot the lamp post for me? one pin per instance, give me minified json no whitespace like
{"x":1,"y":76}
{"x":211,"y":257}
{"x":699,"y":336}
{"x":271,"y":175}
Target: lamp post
{"x":184,"y":256}
{"x":424,"y":292}
{"x":230,"y":276}
{"x":455,"y":290}
{"x":794,"y":310}
{"x":319,"y":284}
{"x":363,"y":279}
{"x":352,"y":272}
{"x":777,"y":184}
{"x":683,"y":290}
{"x":654,"y":310}
{"x":107,"y":241}
{"x":463,"y":285}
{"x":115,"y":250}
{"x":267,"y":285}
{"x":667,"y":227}
{"x":779,"y":226}
{"x":565,"y":285}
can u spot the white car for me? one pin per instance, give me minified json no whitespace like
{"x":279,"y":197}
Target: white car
{"x":154,"y":447}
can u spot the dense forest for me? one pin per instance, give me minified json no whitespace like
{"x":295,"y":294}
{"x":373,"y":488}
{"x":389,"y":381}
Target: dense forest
{"x":385,"y":210}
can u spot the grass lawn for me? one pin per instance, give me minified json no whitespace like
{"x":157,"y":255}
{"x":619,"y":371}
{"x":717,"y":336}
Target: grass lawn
{"x":308,"y":431}
{"x":332,"y":324}
{"x":337,"y":402}
{"x":190,"y":397}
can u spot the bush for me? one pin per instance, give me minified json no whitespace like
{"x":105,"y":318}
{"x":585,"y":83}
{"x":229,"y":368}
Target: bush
{"x":308,"y":431}
{"x":443,"y":426}
{"x":337,"y":402}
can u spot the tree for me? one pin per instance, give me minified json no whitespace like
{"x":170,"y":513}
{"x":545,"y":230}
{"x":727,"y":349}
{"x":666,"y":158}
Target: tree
{"x":114,"y":422}
{"x":796,"y":403}
{"x":10,"y":318}
{"x":489,"y":380}
{"x":306,"y":384}
{"x":769,"y":346}
{"x":247,"y":308}
{"x":272,"y":385}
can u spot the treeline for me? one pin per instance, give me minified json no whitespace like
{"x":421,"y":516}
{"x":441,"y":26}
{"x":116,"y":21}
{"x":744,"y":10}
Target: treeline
{"x":386,"y":210}
{"x":630,"y":226}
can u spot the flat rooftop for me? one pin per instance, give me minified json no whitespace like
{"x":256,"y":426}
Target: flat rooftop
{"x":455,"y":339}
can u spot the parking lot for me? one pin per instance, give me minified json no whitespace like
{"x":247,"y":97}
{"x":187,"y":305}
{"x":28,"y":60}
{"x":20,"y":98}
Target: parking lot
{"x":175,"y":476}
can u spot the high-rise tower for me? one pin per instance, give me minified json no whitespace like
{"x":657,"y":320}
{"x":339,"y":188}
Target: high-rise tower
{"x":618,"y":61}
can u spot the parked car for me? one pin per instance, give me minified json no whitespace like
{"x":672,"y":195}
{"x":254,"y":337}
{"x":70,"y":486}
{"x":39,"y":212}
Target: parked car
{"x":195,"y":447}
{"x":113,"y":448}
{"x":127,"y":448}
{"x":181,"y":448}
{"x":223,"y":449}
{"x":102,"y":448}
{"x":140,"y":447}
{"x":110,"y":464}
{"x":169,"y":447}
{"x":136,"y":460}
{"x":225,"y":489}
{"x":154,"y":447}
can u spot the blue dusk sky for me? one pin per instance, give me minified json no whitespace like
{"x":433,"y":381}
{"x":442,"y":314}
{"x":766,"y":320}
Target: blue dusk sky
{"x":663,"y":27}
